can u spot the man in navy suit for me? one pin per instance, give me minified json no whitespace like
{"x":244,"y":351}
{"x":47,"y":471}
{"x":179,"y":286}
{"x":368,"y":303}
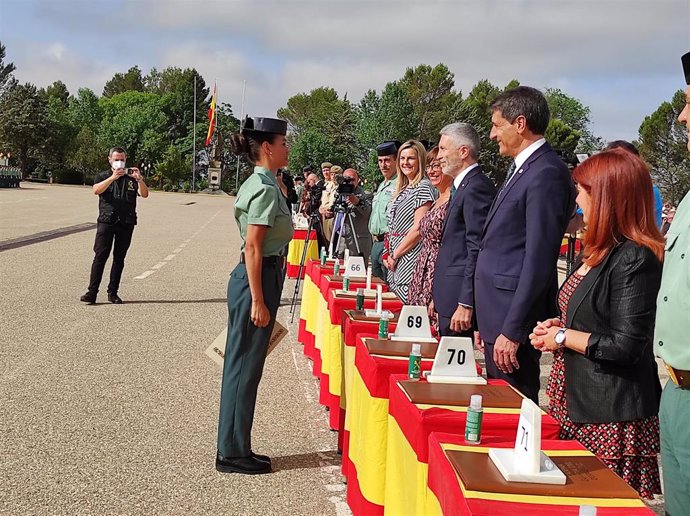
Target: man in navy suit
{"x":516,"y":280}
{"x":471,"y":196}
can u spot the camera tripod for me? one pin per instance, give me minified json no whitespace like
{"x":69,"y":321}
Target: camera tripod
{"x":345,"y":211}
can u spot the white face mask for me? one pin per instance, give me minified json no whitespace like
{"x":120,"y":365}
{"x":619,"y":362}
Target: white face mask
{"x":118,"y":164}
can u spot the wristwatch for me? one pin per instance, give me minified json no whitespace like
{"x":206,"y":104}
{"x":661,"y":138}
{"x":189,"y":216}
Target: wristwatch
{"x":559,"y":338}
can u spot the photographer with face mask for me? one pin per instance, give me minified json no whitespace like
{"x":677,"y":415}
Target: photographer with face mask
{"x":118,"y":189}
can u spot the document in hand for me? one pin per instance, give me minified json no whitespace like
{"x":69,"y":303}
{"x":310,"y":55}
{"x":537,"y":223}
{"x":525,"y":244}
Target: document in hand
{"x":216,"y":351}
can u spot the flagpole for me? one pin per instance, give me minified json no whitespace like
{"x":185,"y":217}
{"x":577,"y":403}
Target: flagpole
{"x":237,"y":172}
{"x":194,"y":140}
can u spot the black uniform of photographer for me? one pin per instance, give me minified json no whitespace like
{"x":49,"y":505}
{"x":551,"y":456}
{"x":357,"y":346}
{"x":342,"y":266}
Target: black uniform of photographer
{"x":352,"y":209}
{"x":118,"y":189}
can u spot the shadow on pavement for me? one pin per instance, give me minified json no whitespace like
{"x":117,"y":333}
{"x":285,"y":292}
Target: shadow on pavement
{"x":306,"y":460}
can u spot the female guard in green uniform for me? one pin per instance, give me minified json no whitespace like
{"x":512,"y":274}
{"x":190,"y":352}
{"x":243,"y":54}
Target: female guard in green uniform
{"x":253,"y":290}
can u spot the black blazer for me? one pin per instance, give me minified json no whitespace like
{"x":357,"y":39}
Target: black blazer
{"x":617,"y":378}
{"x":453,"y":281}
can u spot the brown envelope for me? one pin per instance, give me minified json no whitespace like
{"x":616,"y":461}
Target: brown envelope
{"x":458,"y":395}
{"x":586,"y":477}
{"x":399,"y":348}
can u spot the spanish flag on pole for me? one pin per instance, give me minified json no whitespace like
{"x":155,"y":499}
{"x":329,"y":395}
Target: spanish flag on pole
{"x":211,"y":116}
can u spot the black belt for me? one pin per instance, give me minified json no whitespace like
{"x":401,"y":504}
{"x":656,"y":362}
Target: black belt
{"x":268,"y":261}
{"x":379,"y":238}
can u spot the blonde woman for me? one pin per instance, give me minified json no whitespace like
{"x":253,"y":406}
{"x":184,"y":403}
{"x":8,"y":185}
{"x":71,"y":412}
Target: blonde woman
{"x":412,"y":199}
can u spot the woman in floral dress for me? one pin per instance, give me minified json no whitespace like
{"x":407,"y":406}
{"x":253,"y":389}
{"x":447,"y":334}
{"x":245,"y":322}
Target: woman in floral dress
{"x":430,"y":230}
{"x":604,"y":386}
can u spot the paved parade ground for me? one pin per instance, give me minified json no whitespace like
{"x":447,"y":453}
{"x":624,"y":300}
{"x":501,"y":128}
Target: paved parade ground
{"x":112,"y":409}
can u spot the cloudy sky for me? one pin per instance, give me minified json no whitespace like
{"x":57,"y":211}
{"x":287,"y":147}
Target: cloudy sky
{"x":620,"y":57}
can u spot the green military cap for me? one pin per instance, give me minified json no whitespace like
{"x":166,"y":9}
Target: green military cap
{"x":264,"y":125}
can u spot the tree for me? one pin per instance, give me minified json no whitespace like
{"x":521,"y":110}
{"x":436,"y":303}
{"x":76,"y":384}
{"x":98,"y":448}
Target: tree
{"x":176,"y":88}
{"x":561,"y":136}
{"x":23,"y":122}
{"x":7,"y":80}
{"x":663,"y":145}
{"x":475,"y":109}
{"x":84,"y":110}
{"x":135,"y":121}
{"x":574,"y":114}
{"x":430,"y":91}
{"x":322,"y":127}
{"x":171,"y":168}
{"x":388,"y":117}
{"x":309,"y":110}
{"x":122,"y":82}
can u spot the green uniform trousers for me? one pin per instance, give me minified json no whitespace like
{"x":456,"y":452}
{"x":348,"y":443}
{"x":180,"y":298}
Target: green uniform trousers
{"x":377,"y":268}
{"x":245,"y":354}
{"x":674,"y":418}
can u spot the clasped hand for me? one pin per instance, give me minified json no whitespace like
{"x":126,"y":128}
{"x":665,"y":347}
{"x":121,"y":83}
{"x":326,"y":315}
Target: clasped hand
{"x":544,"y":333}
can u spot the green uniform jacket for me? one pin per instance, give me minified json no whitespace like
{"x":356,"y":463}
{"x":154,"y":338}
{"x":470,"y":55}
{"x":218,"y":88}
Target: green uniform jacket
{"x":672,"y":331}
{"x":260,"y":202}
{"x":378,"y":222}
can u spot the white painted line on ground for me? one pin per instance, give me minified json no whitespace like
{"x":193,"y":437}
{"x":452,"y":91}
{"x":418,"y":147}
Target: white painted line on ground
{"x":159,"y":265}
{"x":144,"y":275}
{"x":169,"y":257}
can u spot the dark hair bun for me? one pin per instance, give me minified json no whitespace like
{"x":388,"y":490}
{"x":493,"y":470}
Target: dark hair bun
{"x":239,"y":144}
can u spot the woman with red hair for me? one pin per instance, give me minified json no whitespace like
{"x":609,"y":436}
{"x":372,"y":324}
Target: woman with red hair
{"x":604,"y":387}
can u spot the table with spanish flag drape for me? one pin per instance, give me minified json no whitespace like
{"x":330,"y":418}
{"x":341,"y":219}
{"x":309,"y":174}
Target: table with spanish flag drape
{"x":408,"y":430}
{"x":447,"y":495}
{"x":296,"y":248}
{"x":367,"y":419}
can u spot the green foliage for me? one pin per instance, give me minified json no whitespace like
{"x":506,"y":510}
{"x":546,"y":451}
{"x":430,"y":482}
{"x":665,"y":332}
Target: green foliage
{"x":122,"y":82}
{"x":135,"y":121}
{"x":24,"y":122}
{"x":172,"y":168}
{"x":475,"y":109}
{"x":7,"y":80}
{"x":575,"y":115}
{"x":561,"y":136}
{"x":430,"y":91}
{"x":663,"y":144}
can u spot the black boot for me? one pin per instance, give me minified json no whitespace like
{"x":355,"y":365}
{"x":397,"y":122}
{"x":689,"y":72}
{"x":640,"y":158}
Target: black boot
{"x":114,"y":298}
{"x":89,"y":297}
{"x":243,"y":465}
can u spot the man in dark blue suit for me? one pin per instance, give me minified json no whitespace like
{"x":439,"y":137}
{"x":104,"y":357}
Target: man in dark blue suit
{"x":516,"y":280}
{"x":471,"y":196}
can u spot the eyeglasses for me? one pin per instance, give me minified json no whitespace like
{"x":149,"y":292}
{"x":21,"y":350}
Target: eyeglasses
{"x":434,"y":165}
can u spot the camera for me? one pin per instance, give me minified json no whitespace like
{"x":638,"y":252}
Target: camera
{"x":345,"y":186}
{"x":129,"y":171}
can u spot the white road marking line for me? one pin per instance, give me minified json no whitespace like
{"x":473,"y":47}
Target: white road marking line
{"x":159,"y":265}
{"x":169,"y":257}
{"x":144,"y":275}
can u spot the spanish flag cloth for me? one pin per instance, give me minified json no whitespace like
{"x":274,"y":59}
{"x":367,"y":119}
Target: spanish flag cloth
{"x":211,"y":116}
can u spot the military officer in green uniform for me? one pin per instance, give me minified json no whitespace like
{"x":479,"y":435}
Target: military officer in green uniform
{"x":672,"y":345}
{"x":254,"y":290}
{"x":378,"y":222}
